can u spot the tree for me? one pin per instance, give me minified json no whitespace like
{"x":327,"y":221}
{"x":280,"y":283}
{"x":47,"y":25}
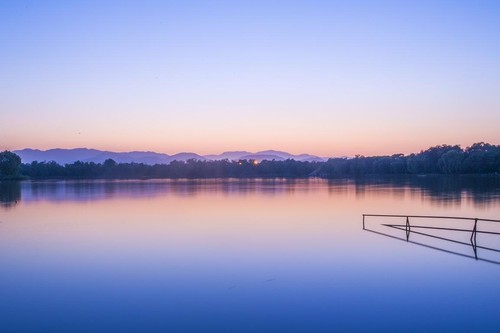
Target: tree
{"x":109,"y":163}
{"x":451,"y":161}
{"x":9,"y":164}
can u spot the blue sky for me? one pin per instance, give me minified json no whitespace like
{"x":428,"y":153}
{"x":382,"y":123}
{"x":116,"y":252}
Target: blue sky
{"x":324,"y":77}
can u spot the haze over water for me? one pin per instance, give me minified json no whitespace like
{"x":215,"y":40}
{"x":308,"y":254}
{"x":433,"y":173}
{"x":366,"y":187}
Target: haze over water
{"x":242,"y":255}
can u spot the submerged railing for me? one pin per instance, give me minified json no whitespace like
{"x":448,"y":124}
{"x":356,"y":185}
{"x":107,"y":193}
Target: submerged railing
{"x":407,"y":227}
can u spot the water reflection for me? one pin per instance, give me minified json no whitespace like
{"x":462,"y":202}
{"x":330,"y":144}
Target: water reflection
{"x":480,"y":191}
{"x":240,"y":255}
{"x":97,"y":190}
{"x":10,"y":194}
{"x":439,"y":189}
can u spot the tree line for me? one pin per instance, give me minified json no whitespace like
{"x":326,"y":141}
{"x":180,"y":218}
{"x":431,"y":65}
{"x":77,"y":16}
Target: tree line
{"x":480,"y":158}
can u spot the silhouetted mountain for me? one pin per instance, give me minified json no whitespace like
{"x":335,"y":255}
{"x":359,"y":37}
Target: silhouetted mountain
{"x":61,"y":156}
{"x":66,"y":156}
{"x":284,"y":155}
{"x":230,"y":155}
{"x":262,"y":157}
{"x":309,"y":158}
{"x":132,"y":157}
{"x":185,"y":157}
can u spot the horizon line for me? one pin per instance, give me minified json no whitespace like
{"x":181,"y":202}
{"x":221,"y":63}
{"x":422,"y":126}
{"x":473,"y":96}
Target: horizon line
{"x":246,"y":151}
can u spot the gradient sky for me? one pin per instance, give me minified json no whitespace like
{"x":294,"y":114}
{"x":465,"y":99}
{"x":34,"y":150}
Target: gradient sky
{"x":324,"y":77}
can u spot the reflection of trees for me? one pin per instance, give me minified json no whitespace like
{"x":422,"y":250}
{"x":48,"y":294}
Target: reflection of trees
{"x":10,"y":193}
{"x":102,"y":189}
{"x":442,"y":190}
{"x":480,"y":190}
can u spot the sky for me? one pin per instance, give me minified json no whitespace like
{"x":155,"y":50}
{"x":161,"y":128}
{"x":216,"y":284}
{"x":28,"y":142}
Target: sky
{"x":331,"y":78}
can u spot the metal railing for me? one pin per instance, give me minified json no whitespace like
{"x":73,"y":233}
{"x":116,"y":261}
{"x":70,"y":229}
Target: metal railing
{"x":407,"y":227}
{"x":475,"y":219}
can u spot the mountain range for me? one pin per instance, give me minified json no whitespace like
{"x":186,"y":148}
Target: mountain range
{"x":64,"y":156}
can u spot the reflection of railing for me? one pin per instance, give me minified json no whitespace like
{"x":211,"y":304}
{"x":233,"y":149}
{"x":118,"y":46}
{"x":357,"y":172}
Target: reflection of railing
{"x":408,"y":229}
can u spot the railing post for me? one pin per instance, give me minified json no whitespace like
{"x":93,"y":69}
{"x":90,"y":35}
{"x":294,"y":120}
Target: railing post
{"x":473,"y":236}
{"x":407,"y":228}
{"x":363,"y":221}
{"x":474,"y":232}
{"x":473,"y":239}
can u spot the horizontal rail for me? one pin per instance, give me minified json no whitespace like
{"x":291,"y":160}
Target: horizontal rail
{"x":440,"y":228}
{"x":410,"y":229}
{"x":433,"y":217}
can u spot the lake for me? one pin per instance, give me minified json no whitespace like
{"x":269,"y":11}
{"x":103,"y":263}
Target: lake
{"x":258,"y":255}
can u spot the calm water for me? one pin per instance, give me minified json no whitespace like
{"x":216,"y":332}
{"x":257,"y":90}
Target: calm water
{"x":246,"y":255}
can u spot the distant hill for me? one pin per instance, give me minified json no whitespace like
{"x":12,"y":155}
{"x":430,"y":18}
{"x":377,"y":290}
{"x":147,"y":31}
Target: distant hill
{"x":285,"y":155}
{"x":130,"y":157}
{"x":264,"y":155}
{"x":61,"y":156}
{"x":65,"y":156}
{"x":186,"y":156}
{"x":230,"y":155}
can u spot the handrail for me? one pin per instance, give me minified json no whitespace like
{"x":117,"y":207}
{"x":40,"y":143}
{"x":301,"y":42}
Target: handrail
{"x":438,"y":228}
{"x":408,"y":228}
{"x":433,"y":217}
